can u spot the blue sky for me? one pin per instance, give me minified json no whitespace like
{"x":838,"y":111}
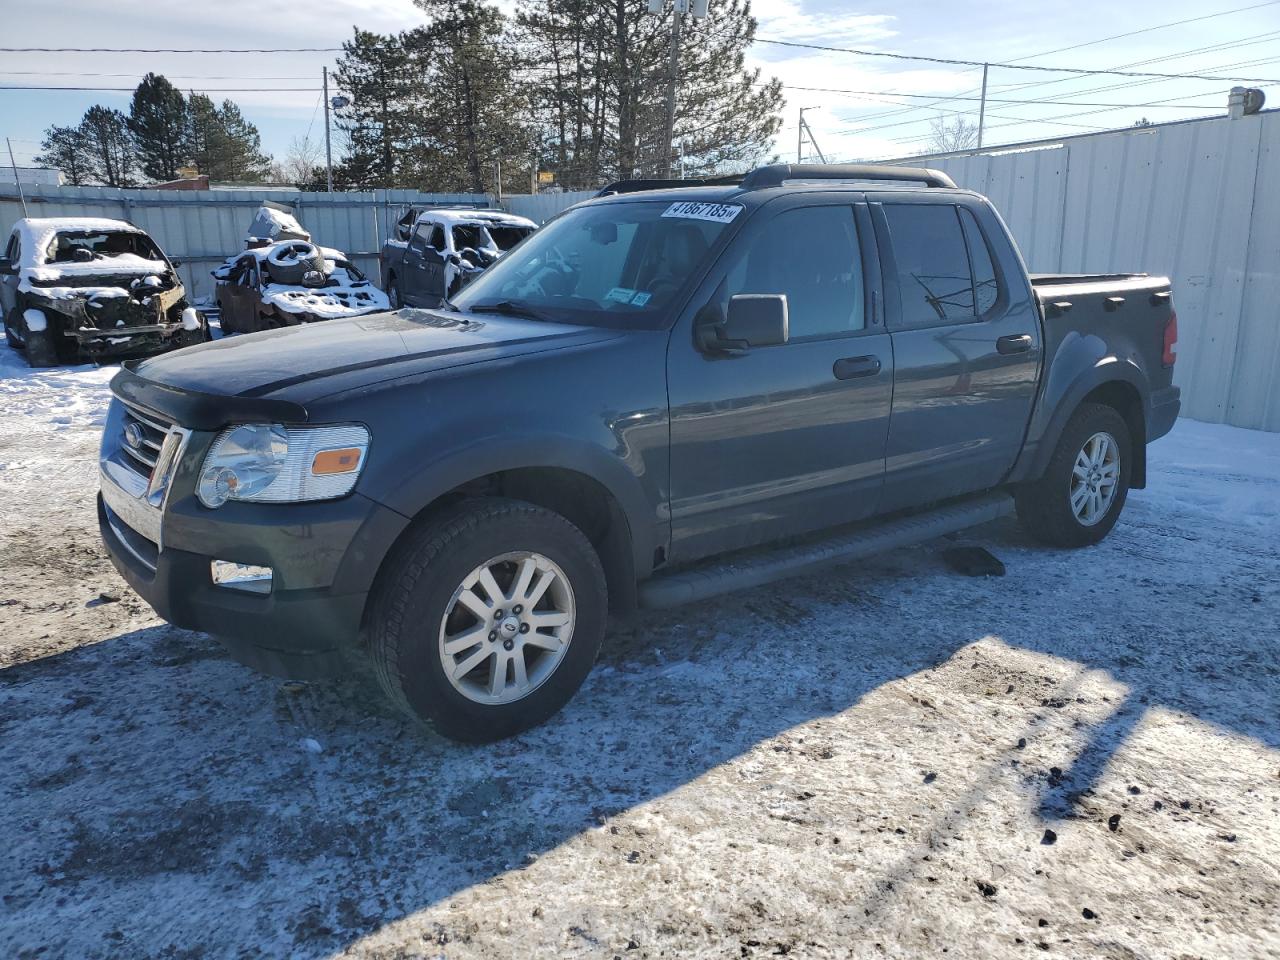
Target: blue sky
{"x":847,"y":126}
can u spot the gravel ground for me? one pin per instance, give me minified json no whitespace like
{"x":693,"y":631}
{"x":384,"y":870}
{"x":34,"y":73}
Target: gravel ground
{"x":1079,"y":759}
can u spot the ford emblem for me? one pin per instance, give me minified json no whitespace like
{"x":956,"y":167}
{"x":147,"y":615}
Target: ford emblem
{"x":133,"y":435}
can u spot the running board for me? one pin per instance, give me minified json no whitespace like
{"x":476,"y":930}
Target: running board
{"x":758,"y":567}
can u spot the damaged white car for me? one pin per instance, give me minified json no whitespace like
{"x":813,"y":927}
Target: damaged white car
{"x":88,"y":288}
{"x":285,"y":279}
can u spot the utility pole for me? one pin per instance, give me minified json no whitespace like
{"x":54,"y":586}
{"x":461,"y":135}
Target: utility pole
{"x":16,"y":180}
{"x":672,"y":69}
{"x":328,"y":153}
{"x":982,"y":106}
{"x":697,"y":9}
{"x":804,"y":128}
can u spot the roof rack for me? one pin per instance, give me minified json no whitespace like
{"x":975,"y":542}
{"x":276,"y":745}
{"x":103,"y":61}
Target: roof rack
{"x":776,"y":174}
{"x":773,"y":176}
{"x":635,"y":186}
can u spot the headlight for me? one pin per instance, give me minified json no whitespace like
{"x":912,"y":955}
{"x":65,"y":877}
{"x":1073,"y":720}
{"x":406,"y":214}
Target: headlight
{"x":271,"y":463}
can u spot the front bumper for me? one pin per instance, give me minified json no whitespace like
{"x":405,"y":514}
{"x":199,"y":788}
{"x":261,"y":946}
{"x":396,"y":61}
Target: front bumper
{"x":323,"y":555}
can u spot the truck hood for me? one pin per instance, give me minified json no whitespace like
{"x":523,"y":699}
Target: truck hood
{"x":307,"y":362}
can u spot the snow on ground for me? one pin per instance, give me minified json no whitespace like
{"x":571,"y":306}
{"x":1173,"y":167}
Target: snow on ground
{"x":1080,"y":759}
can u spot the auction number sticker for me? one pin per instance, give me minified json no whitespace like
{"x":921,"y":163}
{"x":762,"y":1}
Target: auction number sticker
{"x":715,"y":212}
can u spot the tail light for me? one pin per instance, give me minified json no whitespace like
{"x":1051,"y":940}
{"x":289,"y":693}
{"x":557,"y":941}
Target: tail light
{"x":1170,"y":355}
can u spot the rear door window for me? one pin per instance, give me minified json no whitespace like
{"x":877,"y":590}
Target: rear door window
{"x":986,"y":288}
{"x":419,"y":241}
{"x":931,"y":259}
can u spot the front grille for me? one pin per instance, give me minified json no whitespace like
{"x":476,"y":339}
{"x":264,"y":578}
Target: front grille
{"x":142,"y":436}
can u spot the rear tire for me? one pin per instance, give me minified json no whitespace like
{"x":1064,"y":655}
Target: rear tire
{"x":438,"y":637}
{"x":1083,"y":490}
{"x":394,"y":300}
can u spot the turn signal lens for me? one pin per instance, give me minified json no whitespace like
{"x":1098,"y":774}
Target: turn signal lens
{"x":336,"y":461}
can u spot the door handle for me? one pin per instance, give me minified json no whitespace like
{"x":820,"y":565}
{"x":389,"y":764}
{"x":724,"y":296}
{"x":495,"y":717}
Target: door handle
{"x":850,"y":368}
{"x":1014,"y":343}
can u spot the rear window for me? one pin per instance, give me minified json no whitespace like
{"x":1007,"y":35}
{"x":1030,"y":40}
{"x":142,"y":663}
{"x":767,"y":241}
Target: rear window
{"x":507,"y":237}
{"x":69,"y":246}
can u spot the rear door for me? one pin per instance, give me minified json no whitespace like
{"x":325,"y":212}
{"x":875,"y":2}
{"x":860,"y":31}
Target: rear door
{"x":788,"y":438}
{"x":966,"y":345}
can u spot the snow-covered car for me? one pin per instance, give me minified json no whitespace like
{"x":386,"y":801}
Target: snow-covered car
{"x":435,"y":253}
{"x":85,"y":287}
{"x":290,"y":282}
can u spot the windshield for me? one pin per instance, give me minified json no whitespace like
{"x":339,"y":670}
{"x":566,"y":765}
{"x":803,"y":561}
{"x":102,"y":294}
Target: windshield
{"x":507,"y":237}
{"x":70,"y":246}
{"x":616,"y":264}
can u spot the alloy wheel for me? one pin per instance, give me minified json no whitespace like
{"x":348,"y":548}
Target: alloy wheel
{"x":1095,"y":477}
{"x":507,"y":627}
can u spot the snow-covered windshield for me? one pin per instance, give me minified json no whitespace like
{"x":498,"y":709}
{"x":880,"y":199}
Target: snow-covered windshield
{"x":76,"y":246}
{"x":616,"y":264}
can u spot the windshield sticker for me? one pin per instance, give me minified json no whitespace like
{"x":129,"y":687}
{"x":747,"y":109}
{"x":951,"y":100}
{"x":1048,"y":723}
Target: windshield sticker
{"x":641,"y":298}
{"x":620,"y":294}
{"x":715,"y":212}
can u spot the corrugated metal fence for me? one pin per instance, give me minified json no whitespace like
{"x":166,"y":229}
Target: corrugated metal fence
{"x":1198,"y":201}
{"x":541,"y":207}
{"x":204,"y":227}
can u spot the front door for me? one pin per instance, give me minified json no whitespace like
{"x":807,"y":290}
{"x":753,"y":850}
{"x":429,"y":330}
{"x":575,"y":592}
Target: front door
{"x":966,"y":343}
{"x":788,"y":438}
{"x":414,"y":277}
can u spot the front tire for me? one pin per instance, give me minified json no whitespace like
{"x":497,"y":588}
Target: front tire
{"x":1083,"y":490}
{"x":41,"y":349}
{"x":487,"y":619}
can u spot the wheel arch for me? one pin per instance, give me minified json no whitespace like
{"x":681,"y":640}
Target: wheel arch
{"x":1116,"y":383}
{"x":578,"y":495}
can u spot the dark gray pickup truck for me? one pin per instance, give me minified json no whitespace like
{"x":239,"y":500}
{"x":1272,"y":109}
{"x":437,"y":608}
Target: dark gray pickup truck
{"x":661,"y":395}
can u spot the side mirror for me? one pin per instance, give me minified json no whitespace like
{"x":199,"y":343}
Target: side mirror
{"x":754,"y":320}
{"x":7,"y":267}
{"x":175,"y":263}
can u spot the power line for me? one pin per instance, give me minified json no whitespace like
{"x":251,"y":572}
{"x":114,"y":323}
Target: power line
{"x":943,"y":97}
{"x":1050,"y":101}
{"x":879,"y":115}
{"x":1013,"y":66}
{"x":204,"y":90}
{"x":168,"y":76}
{"x":1146,"y":30}
{"x":169,"y":50}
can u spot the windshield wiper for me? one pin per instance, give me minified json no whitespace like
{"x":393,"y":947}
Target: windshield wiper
{"x":510,"y":308}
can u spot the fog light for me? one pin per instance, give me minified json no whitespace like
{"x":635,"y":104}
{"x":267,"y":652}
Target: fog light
{"x":241,"y":576}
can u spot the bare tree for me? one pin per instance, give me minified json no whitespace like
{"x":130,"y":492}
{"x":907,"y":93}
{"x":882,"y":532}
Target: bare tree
{"x":958,"y":133}
{"x":300,"y":161}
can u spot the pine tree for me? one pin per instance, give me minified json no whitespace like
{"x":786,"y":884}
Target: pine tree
{"x":158,"y":122}
{"x":726,"y":116}
{"x":66,"y":149}
{"x":376,"y":74}
{"x":479,"y":105}
{"x":222,"y":143}
{"x":109,"y":145}
{"x":244,"y":161}
{"x":602,"y":104}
